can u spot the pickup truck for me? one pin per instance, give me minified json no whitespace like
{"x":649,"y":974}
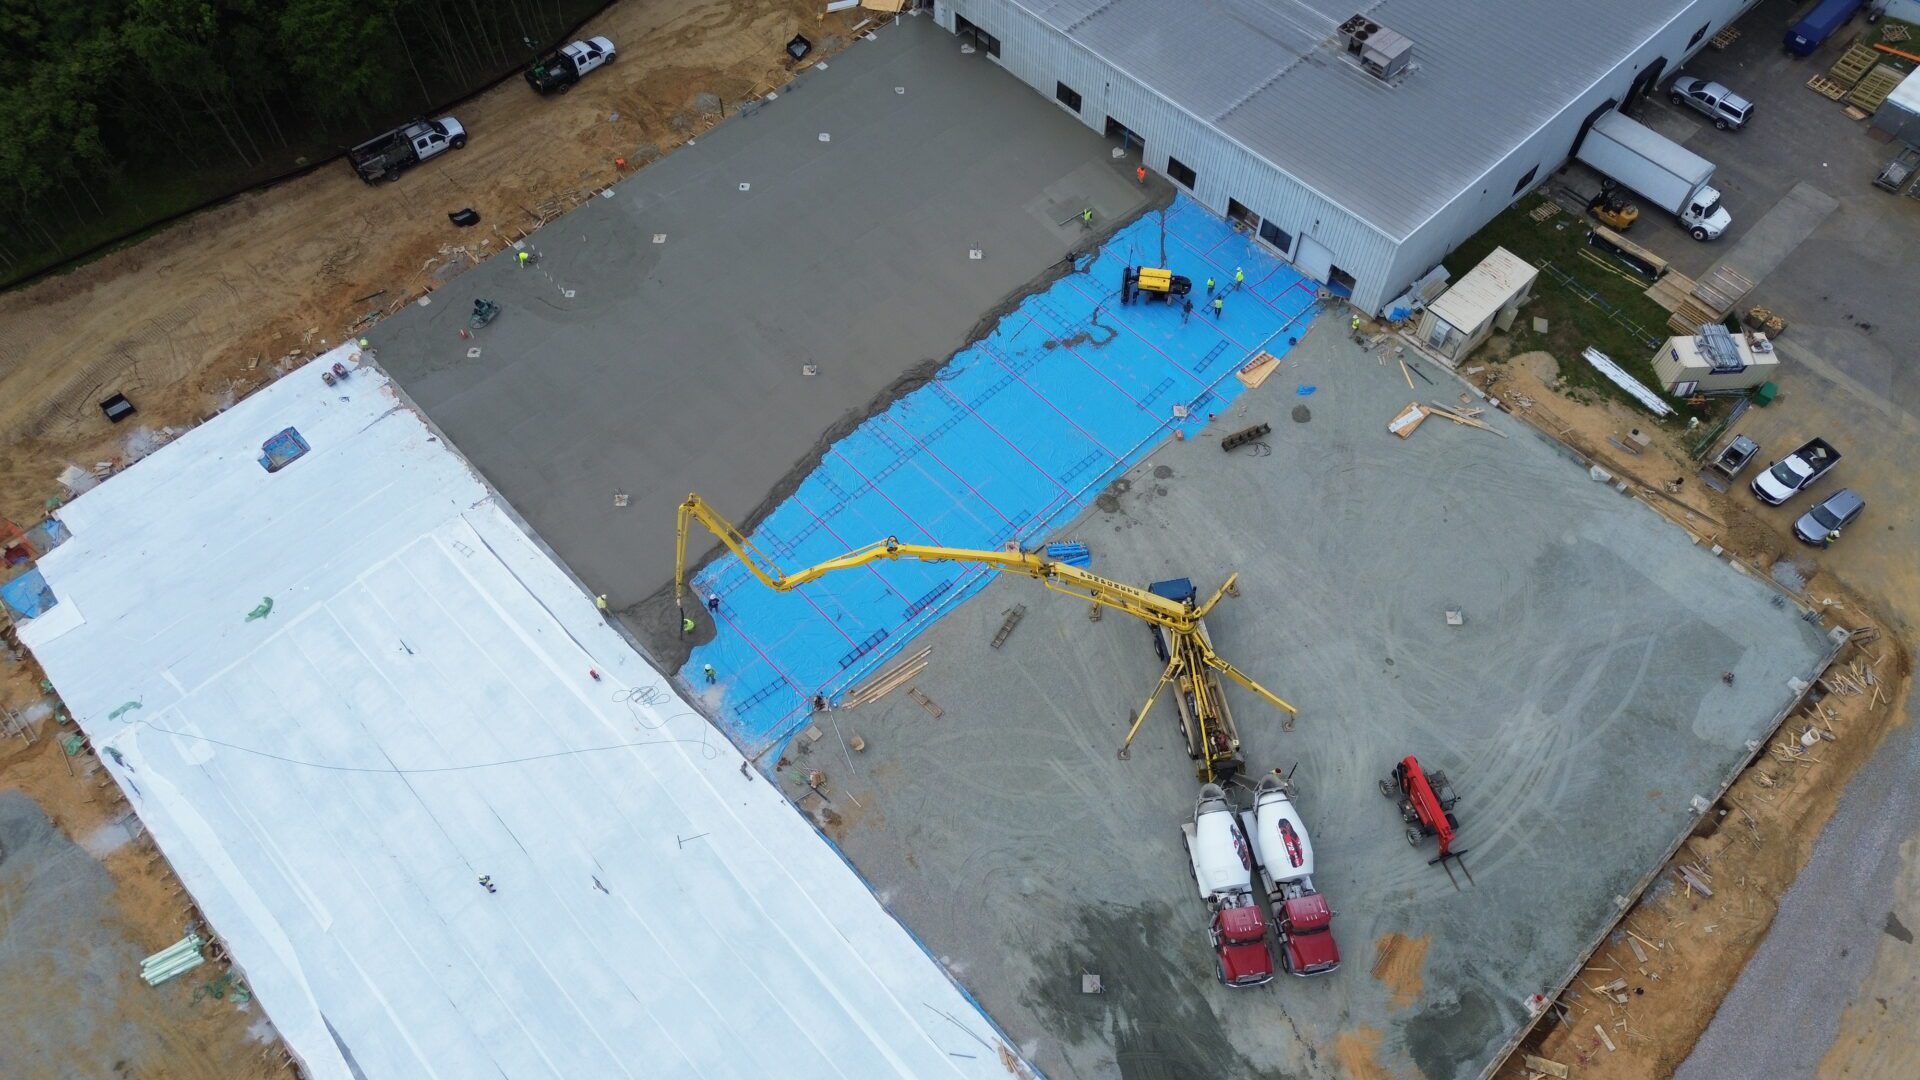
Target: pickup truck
{"x":559,"y":70}
{"x":1796,"y":472}
{"x":386,"y":156}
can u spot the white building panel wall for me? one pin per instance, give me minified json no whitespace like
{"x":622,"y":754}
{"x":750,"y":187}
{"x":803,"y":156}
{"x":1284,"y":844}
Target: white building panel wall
{"x":1044,"y":58}
{"x":1383,"y":266}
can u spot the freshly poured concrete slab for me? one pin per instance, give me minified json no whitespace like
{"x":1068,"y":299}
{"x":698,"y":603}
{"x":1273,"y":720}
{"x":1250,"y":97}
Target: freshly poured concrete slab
{"x":348,"y":696}
{"x":1577,"y":710}
{"x":653,"y":369}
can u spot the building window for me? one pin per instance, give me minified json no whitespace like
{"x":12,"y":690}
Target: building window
{"x":1067,"y":96}
{"x":1526,"y":180}
{"x":1182,"y":172}
{"x":1697,"y":35}
{"x":1242,"y":216}
{"x":1277,"y":236}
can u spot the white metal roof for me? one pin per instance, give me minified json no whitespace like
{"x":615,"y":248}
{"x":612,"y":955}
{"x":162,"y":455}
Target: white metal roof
{"x":1484,"y":290}
{"x":417,"y":710}
{"x":1272,"y":75}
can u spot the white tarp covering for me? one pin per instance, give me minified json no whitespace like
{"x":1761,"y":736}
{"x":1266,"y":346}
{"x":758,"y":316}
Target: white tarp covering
{"x":331,"y":781}
{"x":1605,"y":365}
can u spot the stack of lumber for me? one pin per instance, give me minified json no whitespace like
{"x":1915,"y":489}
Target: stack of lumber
{"x":887,"y":681}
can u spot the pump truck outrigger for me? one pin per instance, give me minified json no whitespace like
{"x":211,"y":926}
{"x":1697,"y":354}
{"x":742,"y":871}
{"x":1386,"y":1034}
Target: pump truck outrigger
{"x":1192,"y":665}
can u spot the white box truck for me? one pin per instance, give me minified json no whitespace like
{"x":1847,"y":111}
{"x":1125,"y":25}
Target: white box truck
{"x":1634,"y":156}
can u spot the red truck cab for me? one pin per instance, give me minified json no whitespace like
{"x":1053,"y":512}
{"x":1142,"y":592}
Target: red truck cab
{"x":1306,"y":936}
{"x":1240,"y":943}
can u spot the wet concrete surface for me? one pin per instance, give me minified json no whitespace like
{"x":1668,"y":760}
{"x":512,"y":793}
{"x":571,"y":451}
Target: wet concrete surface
{"x":1577,"y":711}
{"x":622,"y":365}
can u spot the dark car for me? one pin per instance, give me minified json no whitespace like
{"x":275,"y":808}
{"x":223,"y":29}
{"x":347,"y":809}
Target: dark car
{"x":1821,"y":525}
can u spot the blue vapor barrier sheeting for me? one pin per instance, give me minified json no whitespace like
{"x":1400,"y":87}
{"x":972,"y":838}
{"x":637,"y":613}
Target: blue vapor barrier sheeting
{"x":1011,"y":439}
{"x":27,"y":596}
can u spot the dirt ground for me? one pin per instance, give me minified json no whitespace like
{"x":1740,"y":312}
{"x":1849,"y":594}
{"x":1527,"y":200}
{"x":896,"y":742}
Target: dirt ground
{"x":194,"y":318}
{"x":1756,"y":840}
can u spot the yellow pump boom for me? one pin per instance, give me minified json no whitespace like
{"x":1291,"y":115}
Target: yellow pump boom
{"x":1191,"y":659}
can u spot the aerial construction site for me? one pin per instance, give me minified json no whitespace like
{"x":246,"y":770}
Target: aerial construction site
{"x":883,"y":574}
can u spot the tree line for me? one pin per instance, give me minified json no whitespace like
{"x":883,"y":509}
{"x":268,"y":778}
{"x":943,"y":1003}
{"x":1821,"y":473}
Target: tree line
{"x":115,"y":114}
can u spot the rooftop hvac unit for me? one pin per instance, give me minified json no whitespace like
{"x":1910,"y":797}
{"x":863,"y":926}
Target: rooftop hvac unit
{"x":1382,"y":52}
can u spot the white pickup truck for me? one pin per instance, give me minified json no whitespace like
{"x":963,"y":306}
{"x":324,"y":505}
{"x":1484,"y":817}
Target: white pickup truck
{"x":385,"y":157}
{"x":1796,"y":472}
{"x":559,"y":70}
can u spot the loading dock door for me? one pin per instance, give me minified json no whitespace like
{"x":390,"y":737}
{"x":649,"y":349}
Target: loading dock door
{"x":1313,"y":259}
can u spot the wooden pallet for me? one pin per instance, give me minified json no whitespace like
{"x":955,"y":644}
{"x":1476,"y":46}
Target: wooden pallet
{"x":1727,"y":36}
{"x":1894,"y":32}
{"x":1720,"y":290}
{"x":1873,"y":88}
{"x":1855,"y":62}
{"x":1671,"y":290}
{"x":1827,"y":88}
{"x":1689,"y":317}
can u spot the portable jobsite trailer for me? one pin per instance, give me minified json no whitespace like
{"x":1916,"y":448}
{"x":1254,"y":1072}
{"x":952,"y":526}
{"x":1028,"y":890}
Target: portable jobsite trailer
{"x":1485,"y":299}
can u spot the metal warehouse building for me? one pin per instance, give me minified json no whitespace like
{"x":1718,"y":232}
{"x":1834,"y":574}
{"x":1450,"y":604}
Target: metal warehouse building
{"x":1363,"y":144}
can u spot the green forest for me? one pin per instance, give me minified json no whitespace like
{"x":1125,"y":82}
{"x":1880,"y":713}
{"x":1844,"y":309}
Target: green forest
{"x":117,"y":114}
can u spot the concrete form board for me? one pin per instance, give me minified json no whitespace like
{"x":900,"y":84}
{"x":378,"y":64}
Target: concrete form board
{"x":679,"y":365}
{"x":432,"y":700}
{"x":1578,"y":710}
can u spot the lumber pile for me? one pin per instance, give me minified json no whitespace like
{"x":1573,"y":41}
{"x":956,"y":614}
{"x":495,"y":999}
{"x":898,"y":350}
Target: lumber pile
{"x":1416,"y":413}
{"x":887,"y":681}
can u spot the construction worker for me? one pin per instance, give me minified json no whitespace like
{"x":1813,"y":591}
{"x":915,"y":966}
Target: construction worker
{"x":600,"y":602}
{"x":713,"y":603}
{"x":1239,"y":277}
{"x":707,"y":670}
{"x":1186,"y":310}
{"x":1209,"y":286}
{"x":1141,"y":172}
{"x":486,"y":882}
{"x":1219,"y":304}
{"x":1086,"y":218}
{"x":524,"y":256}
{"x":686,"y":625}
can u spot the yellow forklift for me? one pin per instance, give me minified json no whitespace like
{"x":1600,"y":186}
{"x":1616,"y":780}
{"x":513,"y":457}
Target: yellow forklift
{"x":1613,"y":209}
{"x":1170,"y":608}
